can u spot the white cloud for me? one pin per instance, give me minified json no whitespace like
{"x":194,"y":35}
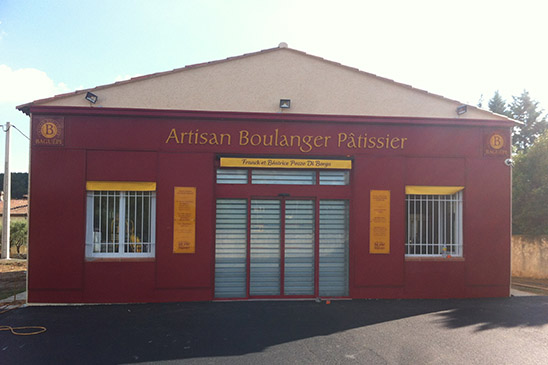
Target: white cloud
{"x":27,"y":84}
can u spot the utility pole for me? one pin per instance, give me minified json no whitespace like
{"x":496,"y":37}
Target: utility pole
{"x":7,"y":198}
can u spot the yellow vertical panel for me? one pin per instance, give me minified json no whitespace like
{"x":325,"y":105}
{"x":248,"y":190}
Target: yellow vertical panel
{"x":184,"y":220}
{"x":379,"y":222}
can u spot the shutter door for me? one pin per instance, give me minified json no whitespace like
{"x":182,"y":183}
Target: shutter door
{"x":265,"y":241}
{"x":232,"y":268}
{"x":231,"y":248}
{"x":333,"y":248}
{"x":299,"y":247}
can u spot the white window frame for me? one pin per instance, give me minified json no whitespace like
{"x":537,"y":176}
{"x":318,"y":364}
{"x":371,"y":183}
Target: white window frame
{"x":434,"y":225}
{"x":90,"y":242}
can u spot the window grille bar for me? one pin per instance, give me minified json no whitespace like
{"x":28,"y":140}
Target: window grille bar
{"x":141,"y":221}
{"x":108,"y":209}
{"x":101,"y":222}
{"x":121,"y":223}
{"x":443,"y":222}
{"x":421,"y":240}
{"x":426,"y":231}
{"x":441,"y":218}
{"x":417,"y":223}
{"x":408,"y":229}
{"x":434,"y":219}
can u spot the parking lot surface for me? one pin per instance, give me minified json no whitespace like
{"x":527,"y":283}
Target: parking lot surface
{"x":472,"y":331}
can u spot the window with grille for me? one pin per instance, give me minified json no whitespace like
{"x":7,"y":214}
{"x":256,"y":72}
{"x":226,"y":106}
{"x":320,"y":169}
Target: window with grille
{"x":434,"y":223}
{"x":120,"y":224}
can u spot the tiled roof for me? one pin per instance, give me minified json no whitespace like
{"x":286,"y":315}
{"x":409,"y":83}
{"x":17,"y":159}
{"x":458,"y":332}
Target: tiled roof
{"x":18,"y":207}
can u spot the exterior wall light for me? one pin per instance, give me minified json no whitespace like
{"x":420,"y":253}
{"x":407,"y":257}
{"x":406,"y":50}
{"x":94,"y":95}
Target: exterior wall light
{"x":285,"y":103}
{"x":461,"y":109}
{"x":91,"y":97}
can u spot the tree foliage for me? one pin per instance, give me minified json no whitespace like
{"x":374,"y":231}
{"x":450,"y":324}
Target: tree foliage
{"x":530,"y":189}
{"x":523,"y":109}
{"x":18,"y":234}
{"x":19,"y":184}
{"x":498,"y":105}
{"x":526,"y":110}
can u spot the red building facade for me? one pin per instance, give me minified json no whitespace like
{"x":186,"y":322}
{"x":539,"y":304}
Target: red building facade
{"x":158,"y":205}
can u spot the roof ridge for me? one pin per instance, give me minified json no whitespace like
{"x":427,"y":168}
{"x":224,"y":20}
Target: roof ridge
{"x":19,"y":206}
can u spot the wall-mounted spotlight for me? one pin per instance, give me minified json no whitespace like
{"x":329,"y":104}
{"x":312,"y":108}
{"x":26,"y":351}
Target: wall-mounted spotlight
{"x":285,"y":103}
{"x":91,"y":97}
{"x":461,"y":109}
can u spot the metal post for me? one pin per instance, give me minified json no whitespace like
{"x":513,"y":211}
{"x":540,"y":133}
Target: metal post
{"x":7,"y":199}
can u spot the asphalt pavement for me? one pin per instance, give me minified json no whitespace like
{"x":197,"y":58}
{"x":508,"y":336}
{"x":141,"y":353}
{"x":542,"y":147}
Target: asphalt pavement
{"x":465,"y":331}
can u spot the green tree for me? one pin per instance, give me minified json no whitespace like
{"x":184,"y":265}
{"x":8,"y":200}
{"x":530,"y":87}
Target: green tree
{"x":480,"y":102}
{"x":526,"y":110}
{"x":530,"y":189}
{"x":498,"y":105}
{"x":19,"y":184}
{"x":18,"y":234}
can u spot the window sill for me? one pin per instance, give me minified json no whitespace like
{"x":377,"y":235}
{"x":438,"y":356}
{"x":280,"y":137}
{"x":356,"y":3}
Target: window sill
{"x":120,"y":259}
{"x":436,"y":259}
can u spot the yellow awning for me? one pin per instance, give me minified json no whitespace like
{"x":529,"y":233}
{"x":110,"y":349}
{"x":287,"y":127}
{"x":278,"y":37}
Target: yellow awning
{"x":120,"y":186}
{"x":432,"y":190}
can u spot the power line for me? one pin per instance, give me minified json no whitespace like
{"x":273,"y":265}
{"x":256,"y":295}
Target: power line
{"x":20,"y":132}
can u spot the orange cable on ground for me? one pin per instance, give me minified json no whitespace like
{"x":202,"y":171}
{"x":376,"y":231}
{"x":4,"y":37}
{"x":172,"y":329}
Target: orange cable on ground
{"x":15,"y":330}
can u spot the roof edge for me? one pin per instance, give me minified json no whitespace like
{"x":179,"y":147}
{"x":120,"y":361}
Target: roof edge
{"x":259,"y":116}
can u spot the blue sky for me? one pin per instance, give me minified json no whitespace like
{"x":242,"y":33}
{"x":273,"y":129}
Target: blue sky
{"x":460,"y":50}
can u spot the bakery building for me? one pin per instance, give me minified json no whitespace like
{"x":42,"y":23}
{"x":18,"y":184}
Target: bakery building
{"x":275,"y":174}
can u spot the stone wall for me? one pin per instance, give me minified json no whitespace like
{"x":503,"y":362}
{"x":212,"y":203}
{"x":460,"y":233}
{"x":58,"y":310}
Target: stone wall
{"x":530,"y":256}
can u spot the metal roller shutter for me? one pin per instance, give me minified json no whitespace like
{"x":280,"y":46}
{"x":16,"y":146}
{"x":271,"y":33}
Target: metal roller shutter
{"x":231,"y":248}
{"x":299,"y":247}
{"x":265,"y":253}
{"x":333,"y":248}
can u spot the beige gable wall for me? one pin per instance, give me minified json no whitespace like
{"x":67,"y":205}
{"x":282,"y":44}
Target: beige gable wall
{"x":256,"y":83}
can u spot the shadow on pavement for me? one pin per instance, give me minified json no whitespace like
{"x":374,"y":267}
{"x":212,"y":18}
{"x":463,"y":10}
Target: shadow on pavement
{"x":498,"y":313}
{"x":109,"y":334}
